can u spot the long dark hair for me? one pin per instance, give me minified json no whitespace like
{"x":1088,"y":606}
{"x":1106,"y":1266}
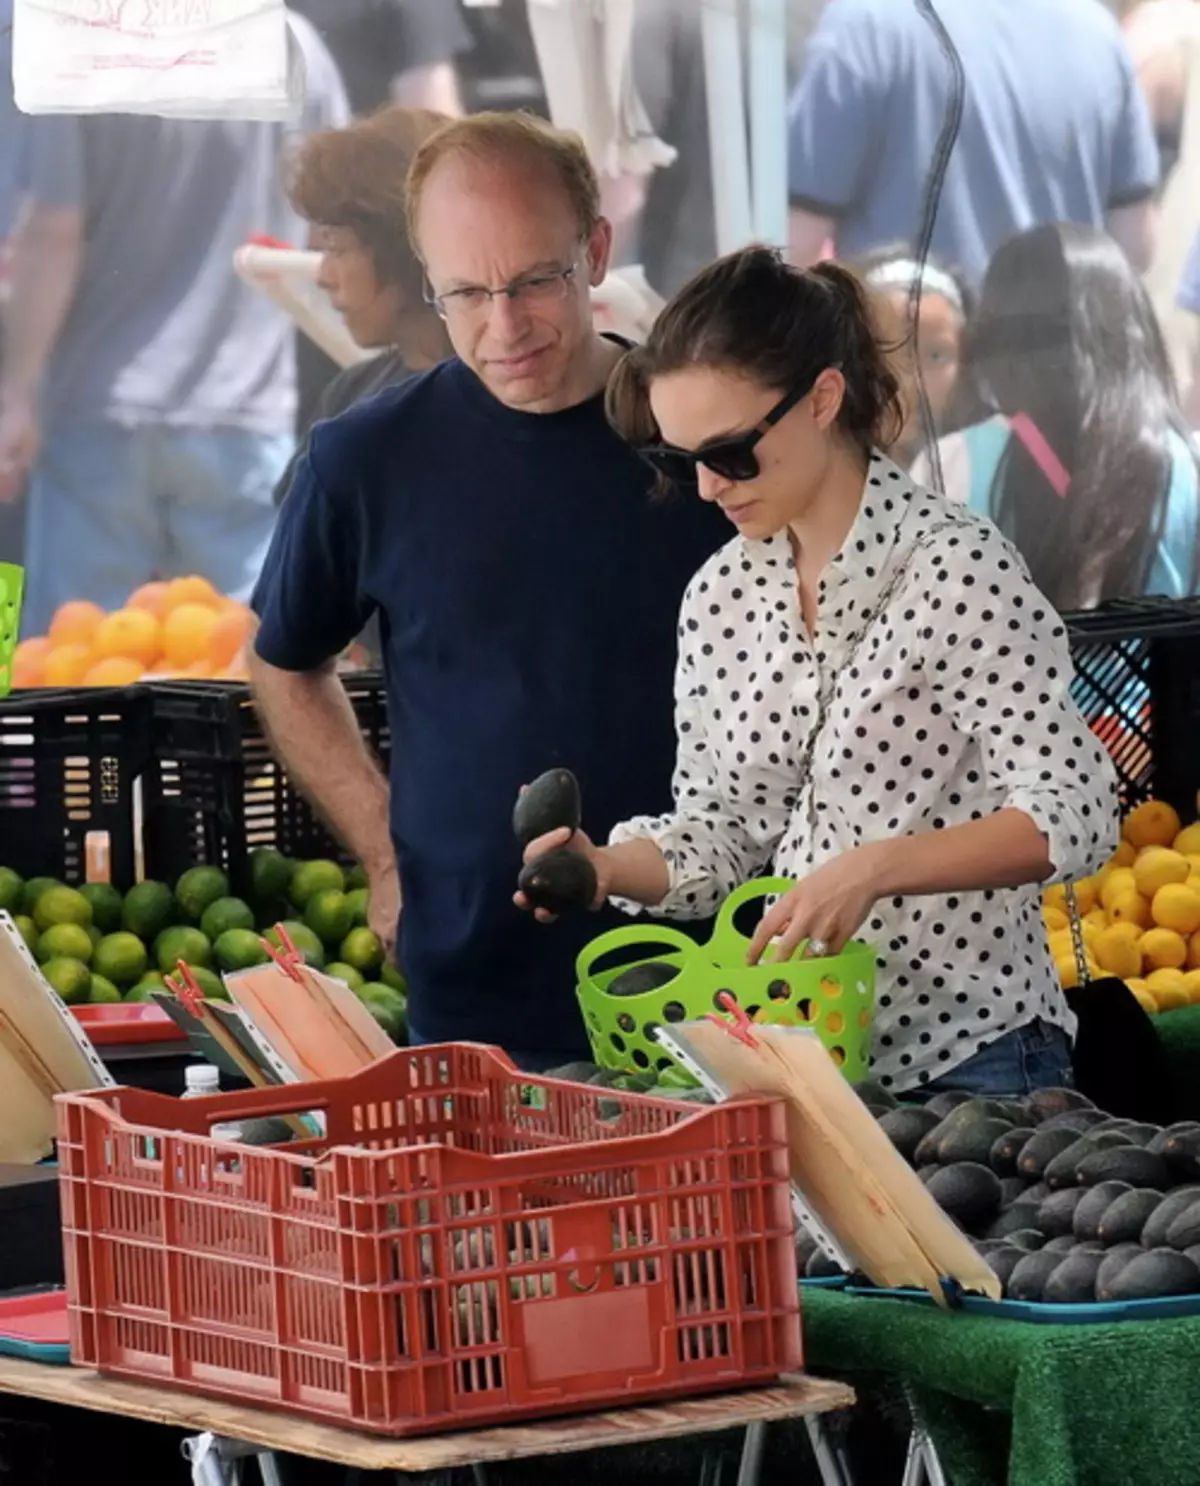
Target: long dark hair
{"x":1066,"y":333}
{"x":751,"y":312}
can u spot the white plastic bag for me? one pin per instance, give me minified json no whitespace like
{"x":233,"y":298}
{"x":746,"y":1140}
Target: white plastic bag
{"x":230,"y":59}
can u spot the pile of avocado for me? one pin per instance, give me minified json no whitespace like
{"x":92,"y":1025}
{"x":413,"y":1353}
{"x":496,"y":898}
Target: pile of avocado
{"x":665,"y":1083}
{"x":1068,"y":1205}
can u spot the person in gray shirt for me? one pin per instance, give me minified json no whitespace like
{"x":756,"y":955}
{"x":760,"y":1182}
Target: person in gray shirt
{"x":147,"y":392}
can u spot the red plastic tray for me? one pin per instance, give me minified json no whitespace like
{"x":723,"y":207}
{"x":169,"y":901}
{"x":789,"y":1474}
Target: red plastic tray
{"x":120,"y":1024}
{"x":36,"y":1320}
{"x":466,"y":1245}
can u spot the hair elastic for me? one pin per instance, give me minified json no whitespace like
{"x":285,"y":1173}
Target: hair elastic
{"x":902,"y":273}
{"x":1026,"y":431}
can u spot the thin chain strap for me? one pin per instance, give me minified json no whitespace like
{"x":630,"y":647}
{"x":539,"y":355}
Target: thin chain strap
{"x":1077,"y":944}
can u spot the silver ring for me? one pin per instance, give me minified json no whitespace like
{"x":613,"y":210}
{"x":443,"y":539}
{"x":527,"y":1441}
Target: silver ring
{"x":817,"y":949}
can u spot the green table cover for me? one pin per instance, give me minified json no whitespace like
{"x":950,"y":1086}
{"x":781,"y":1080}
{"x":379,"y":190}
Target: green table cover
{"x":1014,"y":1404}
{"x":1179,"y":1033}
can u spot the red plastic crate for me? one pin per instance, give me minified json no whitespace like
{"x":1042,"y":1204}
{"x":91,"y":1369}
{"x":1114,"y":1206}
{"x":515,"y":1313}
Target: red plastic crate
{"x":468,"y":1245}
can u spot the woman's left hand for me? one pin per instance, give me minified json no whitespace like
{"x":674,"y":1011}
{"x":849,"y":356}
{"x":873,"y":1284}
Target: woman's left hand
{"x":827,"y":908}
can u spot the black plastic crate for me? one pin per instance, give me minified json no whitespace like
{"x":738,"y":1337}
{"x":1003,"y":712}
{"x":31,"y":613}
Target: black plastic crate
{"x":1137,"y":680}
{"x":69,"y":765}
{"x":213,"y":790}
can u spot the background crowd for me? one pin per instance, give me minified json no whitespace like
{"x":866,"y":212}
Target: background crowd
{"x":151,"y":403}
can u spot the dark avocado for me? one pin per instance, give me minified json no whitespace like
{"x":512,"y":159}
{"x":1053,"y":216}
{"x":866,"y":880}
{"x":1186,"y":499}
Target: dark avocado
{"x":1006,"y":1148}
{"x":821,"y":1267}
{"x":1028,"y":1279}
{"x":1079,"y":1120}
{"x":575,"y":1073}
{"x":1037,"y":1154}
{"x":1182,"y":1154}
{"x":639,"y":979}
{"x":1003,"y":1259}
{"x":1063,"y":1170}
{"x":972,"y":1141}
{"x":1086,"y":1223}
{"x":1184,"y":1232}
{"x":1158,"y":1224}
{"x":1182,"y":1127}
{"x":559,"y":881}
{"x":1012,"y":1190}
{"x":1134,"y":1133}
{"x":1125,"y":1218}
{"x":1063,"y":1244}
{"x":942,"y":1104}
{"x":1046,"y":1103}
{"x":969,"y":1192}
{"x":1132,"y":1164}
{"x":907,"y":1127}
{"x":1074,"y":1281}
{"x":1155,"y":1273}
{"x":870,"y":1091}
{"x":1056,"y":1216}
{"x":551,"y":803}
{"x":1114,"y":1261}
{"x":1030,"y":1239}
{"x":1013,"y":1219}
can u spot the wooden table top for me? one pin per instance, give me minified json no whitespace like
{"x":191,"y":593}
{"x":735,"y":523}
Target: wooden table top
{"x":792,"y":1397}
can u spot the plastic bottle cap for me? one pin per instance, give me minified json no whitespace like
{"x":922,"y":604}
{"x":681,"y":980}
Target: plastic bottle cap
{"x":200,"y":1079}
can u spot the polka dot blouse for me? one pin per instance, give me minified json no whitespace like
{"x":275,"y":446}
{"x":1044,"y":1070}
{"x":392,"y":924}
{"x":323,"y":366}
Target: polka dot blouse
{"x":941,"y":705}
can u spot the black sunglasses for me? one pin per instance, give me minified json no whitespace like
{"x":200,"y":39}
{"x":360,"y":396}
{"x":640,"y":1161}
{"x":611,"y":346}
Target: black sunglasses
{"x":732,"y":458}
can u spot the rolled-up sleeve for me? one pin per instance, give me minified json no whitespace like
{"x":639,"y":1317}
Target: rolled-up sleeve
{"x":710,"y":843}
{"x":998,"y":661}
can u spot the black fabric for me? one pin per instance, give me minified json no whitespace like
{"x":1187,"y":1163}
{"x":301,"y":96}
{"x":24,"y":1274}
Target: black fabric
{"x":1120,"y":1064}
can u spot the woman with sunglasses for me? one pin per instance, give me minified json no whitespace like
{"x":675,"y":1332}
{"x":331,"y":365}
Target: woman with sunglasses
{"x":872,"y":696}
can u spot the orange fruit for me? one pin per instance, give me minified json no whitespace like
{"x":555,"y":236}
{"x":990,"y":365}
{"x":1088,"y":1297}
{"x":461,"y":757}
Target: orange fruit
{"x":193,"y":590}
{"x":230,"y":633}
{"x":27,"y":674}
{"x":114,"y":670}
{"x":187,"y":634}
{"x":132,"y":634}
{"x":150,"y":596}
{"x":66,"y":665}
{"x":34,"y":650}
{"x":75,"y":623}
{"x":1154,"y":823}
{"x":200,"y":669}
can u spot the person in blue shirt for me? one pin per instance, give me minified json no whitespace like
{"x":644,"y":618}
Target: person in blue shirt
{"x":1078,"y":450}
{"x":1054,"y":128}
{"x":527,"y":588}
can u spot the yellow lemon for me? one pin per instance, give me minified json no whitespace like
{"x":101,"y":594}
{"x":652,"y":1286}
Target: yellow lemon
{"x":1191,"y":984}
{"x":1062,"y":946}
{"x":1145,"y":999}
{"x":1159,"y":980}
{"x":1130,"y":931}
{"x":1117,"y":953}
{"x":1130,"y":907}
{"x":1055,"y":896}
{"x":1056,"y":920}
{"x":1177,"y":906}
{"x":1153,"y":824}
{"x":1124,"y":856}
{"x":1120,"y":880}
{"x":1188,"y":840}
{"x":1136,"y":983}
{"x":1163,"y":949}
{"x":1097,"y":918}
{"x":1068,"y":973}
{"x":1171,"y":998}
{"x":1194,"y":952}
{"x":1087,"y":893}
{"x":1159,"y":867}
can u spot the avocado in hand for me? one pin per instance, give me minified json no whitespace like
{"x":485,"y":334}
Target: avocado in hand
{"x":551,"y":803}
{"x":559,"y":881}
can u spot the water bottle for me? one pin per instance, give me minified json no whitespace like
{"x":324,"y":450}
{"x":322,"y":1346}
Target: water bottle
{"x":200,"y":1081}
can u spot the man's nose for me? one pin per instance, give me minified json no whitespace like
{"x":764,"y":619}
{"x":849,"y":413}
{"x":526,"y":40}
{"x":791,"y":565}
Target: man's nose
{"x":507,"y":316}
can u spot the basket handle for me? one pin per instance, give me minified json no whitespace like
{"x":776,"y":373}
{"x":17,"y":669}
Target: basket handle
{"x":761,"y":887}
{"x":660,"y":934}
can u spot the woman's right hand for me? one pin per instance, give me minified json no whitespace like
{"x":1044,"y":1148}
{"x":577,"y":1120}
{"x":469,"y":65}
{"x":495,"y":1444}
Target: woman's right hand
{"x":580,"y":842}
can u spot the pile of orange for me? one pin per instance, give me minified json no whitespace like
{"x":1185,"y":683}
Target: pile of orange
{"x":181,"y":629}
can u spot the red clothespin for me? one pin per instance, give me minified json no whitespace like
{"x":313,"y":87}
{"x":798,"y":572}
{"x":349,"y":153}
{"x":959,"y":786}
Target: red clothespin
{"x":187,"y":988}
{"x":741,"y":1026}
{"x":285,"y":955}
{"x":265,"y":240}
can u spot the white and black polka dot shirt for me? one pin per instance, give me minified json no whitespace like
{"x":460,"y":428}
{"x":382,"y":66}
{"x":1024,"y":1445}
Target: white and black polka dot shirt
{"x":945,"y":704}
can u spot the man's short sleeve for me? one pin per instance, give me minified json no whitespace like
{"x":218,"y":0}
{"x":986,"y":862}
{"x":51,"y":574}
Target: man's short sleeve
{"x":1189,"y":286}
{"x":309,"y":599}
{"x":54,"y":163}
{"x":834,"y":119}
{"x":1135,"y":158}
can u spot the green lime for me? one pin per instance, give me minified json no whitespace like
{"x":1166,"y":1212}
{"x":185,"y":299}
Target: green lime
{"x":311,"y":878}
{"x":70,"y":978}
{"x":94,"y":934}
{"x":310,"y":948}
{"x":364,"y":950}
{"x":359,"y":901}
{"x":210,"y":983}
{"x":28,"y":930}
{"x":181,"y":943}
{"x":198,"y":887}
{"x":61,"y":905}
{"x":388,"y":1007}
{"x":106,"y":905}
{"x":226,"y":914}
{"x":149,"y":908}
{"x":120,"y":958}
{"x":269,"y":874}
{"x":328,"y":915}
{"x":390,"y":976}
{"x":345,"y":973}
{"x":356,"y":879}
{"x":239,"y":949}
{"x":65,"y":942}
{"x":34,"y":889}
{"x":12,"y":890}
{"x":145,"y":988}
{"x":104,"y":993}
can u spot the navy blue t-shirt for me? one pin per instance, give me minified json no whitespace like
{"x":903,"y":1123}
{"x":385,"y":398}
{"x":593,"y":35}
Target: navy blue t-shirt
{"x":528,"y":588}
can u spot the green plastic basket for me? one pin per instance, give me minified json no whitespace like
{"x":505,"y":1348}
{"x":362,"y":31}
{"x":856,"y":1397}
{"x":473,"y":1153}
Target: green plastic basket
{"x":834,"y":997}
{"x":12,"y":587}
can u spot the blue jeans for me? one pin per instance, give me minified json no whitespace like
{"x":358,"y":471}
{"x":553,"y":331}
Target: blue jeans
{"x":111,"y":507}
{"x":1035,"y":1056}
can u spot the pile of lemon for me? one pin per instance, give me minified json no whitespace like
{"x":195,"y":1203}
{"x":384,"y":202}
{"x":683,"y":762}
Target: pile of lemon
{"x":1141,"y":912}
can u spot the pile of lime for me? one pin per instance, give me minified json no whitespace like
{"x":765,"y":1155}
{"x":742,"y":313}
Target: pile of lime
{"x":97,"y":945}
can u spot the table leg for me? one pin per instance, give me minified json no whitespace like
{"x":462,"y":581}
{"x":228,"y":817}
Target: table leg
{"x":752,"y":1455}
{"x":831,"y":1460}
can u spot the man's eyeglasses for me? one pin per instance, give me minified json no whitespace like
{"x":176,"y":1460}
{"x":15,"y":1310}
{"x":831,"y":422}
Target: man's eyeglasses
{"x":733,"y":457}
{"x":531,"y":289}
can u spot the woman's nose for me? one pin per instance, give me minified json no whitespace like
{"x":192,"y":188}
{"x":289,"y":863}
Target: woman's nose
{"x":712,"y":486}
